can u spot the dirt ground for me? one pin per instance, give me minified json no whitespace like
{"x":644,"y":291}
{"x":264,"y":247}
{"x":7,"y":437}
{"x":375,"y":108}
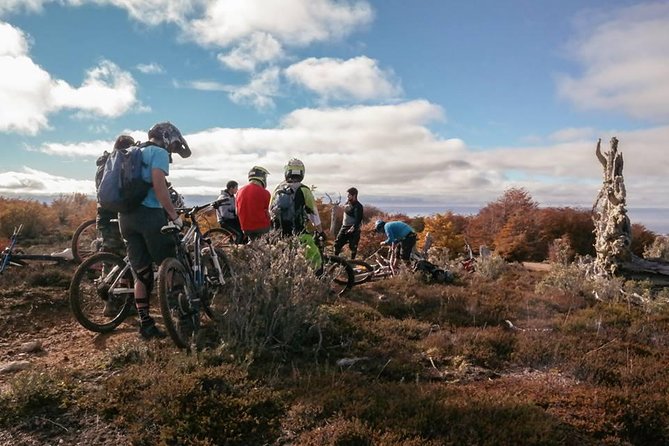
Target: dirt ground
{"x":38,"y":332}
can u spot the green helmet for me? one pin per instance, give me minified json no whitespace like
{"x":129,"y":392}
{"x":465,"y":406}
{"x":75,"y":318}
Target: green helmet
{"x":294,"y":170}
{"x":259,"y":174}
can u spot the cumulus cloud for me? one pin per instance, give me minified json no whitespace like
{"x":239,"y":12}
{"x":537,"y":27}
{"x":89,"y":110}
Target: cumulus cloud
{"x":35,"y":182}
{"x":625,"y":63}
{"x":260,"y":91}
{"x":259,"y":48}
{"x":150,"y":68}
{"x":7,"y":6}
{"x":34,"y":94}
{"x":390,"y":154}
{"x":358,"y":79}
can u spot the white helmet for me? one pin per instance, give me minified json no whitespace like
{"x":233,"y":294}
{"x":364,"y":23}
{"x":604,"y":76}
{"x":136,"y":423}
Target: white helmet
{"x":294,"y":170}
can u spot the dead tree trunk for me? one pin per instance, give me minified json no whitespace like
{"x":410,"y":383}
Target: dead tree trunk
{"x":613,"y":231}
{"x":335,"y":215}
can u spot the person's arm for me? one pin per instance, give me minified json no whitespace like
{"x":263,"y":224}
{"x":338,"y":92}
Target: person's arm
{"x":312,"y":209}
{"x":357,"y":215}
{"x":162,"y":194}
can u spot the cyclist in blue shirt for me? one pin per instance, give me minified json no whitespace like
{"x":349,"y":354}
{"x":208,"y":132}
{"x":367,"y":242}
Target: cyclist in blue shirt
{"x":398,"y":232}
{"x":141,"y":226}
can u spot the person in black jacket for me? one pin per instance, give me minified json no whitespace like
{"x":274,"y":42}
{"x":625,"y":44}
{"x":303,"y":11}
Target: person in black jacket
{"x":350,"y":230}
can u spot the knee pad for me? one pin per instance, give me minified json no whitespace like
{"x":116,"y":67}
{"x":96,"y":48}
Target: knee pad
{"x":146,"y":277}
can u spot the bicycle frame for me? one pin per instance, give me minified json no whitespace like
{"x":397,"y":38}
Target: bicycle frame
{"x":193,"y":237}
{"x":10,"y":258}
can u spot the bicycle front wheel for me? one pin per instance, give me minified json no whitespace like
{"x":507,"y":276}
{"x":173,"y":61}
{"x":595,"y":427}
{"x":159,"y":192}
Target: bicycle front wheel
{"x":102,"y":292}
{"x":338,"y":274}
{"x":86,"y":241}
{"x":176,"y":294}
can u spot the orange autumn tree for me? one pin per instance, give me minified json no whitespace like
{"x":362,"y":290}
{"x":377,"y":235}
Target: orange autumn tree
{"x":447,"y":231}
{"x":506,"y":223}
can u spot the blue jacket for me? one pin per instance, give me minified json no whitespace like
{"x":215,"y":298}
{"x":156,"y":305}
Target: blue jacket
{"x":396,"y":231}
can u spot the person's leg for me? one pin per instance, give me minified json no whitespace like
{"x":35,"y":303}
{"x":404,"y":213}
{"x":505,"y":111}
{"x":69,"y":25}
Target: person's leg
{"x":135,"y":227}
{"x":407,"y":245}
{"x":353,"y":240}
{"x":341,"y":239}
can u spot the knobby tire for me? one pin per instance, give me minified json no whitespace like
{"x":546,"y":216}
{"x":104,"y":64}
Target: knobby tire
{"x":87,"y":293}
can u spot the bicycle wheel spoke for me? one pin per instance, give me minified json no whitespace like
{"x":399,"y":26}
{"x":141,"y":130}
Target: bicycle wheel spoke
{"x":100,"y":297}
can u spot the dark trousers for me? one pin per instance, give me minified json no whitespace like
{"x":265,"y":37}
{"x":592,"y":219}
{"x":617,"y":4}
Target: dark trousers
{"x":344,"y":237}
{"x":232,"y":224}
{"x":406,"y":246}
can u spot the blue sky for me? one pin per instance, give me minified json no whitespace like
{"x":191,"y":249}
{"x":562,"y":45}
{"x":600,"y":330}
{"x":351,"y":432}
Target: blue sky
{"x":442,"y":104}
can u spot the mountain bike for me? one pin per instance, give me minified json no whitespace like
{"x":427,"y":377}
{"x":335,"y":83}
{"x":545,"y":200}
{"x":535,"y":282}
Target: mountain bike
{"x":193,"y":281}
{"x":12,"y":256}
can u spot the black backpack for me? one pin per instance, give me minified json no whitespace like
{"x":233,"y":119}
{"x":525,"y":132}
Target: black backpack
{"x":288,"y":209}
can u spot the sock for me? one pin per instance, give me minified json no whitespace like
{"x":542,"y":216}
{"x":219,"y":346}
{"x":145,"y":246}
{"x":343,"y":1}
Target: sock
{"x":143,"y":312}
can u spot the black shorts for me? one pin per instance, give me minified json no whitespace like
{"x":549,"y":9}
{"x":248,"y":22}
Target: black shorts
{"x":141,"y":230}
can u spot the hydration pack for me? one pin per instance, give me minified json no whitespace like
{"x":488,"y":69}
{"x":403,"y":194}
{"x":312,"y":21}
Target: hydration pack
{"x":433,"y":273}
{"x":288,"y":209}
{"x":121,"y":188}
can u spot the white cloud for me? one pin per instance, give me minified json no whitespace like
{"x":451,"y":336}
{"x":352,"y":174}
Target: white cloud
{"x":390,"y":153}
{"x":259,"y":48}
{"x":34,"y":94}
{"x":7,"y":6}
{"x":358,"y":79}
{"x":260,"y":91}
{"x":292,"y":22}
{"x":152,"y":12}
{"x":572,"y":133}
{"x":36,"y":182}
{"x":151,"y":68}
{"x":625,"y":60}
{"x":106,"y":91}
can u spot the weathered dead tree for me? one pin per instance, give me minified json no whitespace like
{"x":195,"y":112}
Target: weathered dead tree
{"x":613,"y":231}
{"x":335,"y":214}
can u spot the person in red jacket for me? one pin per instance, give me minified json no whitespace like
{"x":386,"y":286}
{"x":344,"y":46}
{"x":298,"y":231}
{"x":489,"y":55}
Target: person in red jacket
{"x":253,"y":204}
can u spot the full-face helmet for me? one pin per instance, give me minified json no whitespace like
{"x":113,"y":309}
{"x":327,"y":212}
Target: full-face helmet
{"x":167,"y":136}
{"x":259,"y":174}
{"x":294,"y":170}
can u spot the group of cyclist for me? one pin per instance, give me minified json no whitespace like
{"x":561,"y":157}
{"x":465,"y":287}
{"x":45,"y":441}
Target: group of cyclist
{"x":248,"y":212}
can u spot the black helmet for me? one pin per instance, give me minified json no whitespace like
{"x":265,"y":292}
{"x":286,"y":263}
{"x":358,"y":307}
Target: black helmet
{"x":260,"y":174}
{"x":169,"y":138}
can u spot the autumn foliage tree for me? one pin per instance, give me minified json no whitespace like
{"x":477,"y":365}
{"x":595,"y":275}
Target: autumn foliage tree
{"x":505,"y":223}
{"x":447,"y":231}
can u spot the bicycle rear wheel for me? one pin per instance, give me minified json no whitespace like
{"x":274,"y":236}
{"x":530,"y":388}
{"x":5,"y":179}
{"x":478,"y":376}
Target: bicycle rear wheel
{"x":86,"y":241}
{"x":102,"y":292}
{"x":362,"y":271}
{"x":180,"y":316}
{"x":337,"y":273}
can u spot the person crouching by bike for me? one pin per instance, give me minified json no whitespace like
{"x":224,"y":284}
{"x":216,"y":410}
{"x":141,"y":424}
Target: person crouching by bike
{"x":398,"y":232}
{"x":227,"y":211}
{"x":111,"y":236}
{"x":253,"y":204}
{"x":350,"y":229}
{"x":141,"y":226}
